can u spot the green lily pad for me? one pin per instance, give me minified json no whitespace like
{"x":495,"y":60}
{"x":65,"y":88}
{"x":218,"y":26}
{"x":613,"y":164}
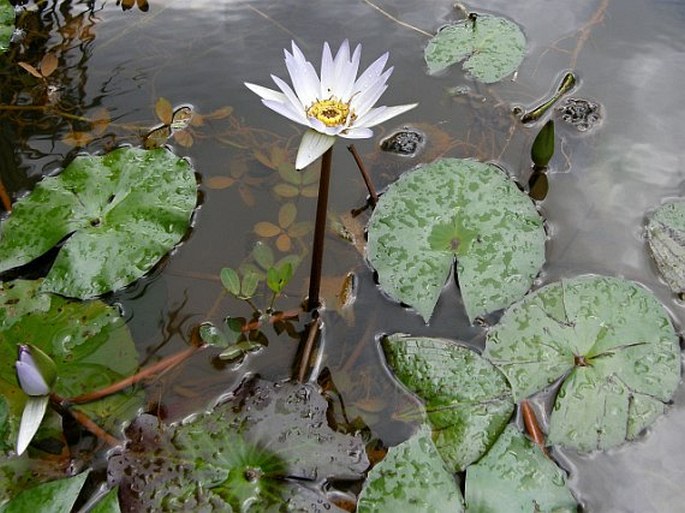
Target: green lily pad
{"x":270,"y":445}
{"x":468,"y":401}
{"x":515,"y":476}
{"x":7,"y":19}
{"x":461,"y":209}
{"x":109,"y":503}
{"x":492,"y":46}
{"x":88,"y":341}
{"x":53,"y":497}
{"x":411,"y":478}
{"x":18,"y":473}
{"x":666,"y":238}
{"x":610,"y":343}
{"x":120,"y":214}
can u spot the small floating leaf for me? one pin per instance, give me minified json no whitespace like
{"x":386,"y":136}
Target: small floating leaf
{"x":666,"y":239}
{"x":543,"y":145}
{"x":609,"y":341}
{"x":461,"y":209}
{"x":516,"y":477}
{"x":492,"y":46}
{"x":120,"y":213}
{"x":411,"y":478}
{"x":468,"y":401}
{"x":53,"y":497}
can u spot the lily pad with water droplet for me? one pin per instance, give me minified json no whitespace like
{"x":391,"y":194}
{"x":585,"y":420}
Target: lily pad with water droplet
{"x":463,"y":209}
{"x":493,"y":47}
{"x":411,"y":478}
{"x":118,"y":215}
{"x":666,"y":238}
{"x":468,"y":401}
{"x":88,"y":341}
{"x":516,"y":477}
{"x":610,"y":343}
{"x":271,"y":444}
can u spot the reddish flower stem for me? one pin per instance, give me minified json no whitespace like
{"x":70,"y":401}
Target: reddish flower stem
{"x":319,"y":231}
{"x":306,"y":355}
{"x":85,"y":421}
{"x":373,"y":195}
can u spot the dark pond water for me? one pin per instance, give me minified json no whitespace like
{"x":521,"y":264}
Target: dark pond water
{"x":628,"y":54}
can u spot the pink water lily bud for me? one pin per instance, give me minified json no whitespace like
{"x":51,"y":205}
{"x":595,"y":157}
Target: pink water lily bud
{"x":36,"y":371}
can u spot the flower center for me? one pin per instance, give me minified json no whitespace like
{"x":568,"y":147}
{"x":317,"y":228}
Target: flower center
{"x":330,"y":112}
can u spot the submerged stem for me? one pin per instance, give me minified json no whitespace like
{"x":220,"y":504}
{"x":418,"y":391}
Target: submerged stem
{"x":373,"y":195}
{"x":306,"y":355}
{"x":319,"y":231}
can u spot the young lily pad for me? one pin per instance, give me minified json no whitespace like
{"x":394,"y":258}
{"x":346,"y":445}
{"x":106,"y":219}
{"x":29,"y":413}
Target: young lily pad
{"x":610,"y":343}
{"x":411,"y":478}
{"x":53,"y":497}
{"x":666,"y":238}
{"x":468,"y":401}
{"x":515,"y":476}
{"x":492,"y":46}
{"x":252,"y":454}
{"x":461,"y":209}
{"x":7,"y":19}
{"x":88,"y":342}
{"x":120,"y":214}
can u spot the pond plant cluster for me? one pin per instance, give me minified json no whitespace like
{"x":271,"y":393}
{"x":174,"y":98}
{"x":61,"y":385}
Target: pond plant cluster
{"x":586,"y":363}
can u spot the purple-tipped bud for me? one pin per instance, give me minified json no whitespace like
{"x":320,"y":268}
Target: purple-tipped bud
{"x":35,"y":371}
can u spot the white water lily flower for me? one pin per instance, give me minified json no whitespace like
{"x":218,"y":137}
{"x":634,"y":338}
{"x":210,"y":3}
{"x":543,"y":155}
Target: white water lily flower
{"x":337,"y":104}
{"x":35,"y":371}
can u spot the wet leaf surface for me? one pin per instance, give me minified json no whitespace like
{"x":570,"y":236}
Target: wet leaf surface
{"x":270,"y":444}
{"x":492,"y":46}
{"x":516,"y":477}
{"x":88,"y":341}
{"x":411,"y":478}
{"x":459,"y":209}
{"x":468,"y":401}
{"x":609,"y":341}
{"x":7,"y":17}
{"x":53,"y":497}
{"x":120,"y":214}
{"x":666,"y":239}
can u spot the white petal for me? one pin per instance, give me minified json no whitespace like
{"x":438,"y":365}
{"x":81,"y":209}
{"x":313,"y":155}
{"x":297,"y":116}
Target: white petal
{"x":327,"y":72}
{"x":348,"y":74}
{"x":285,"y":109}
{"x":32,"y":416}
{"x":381,"y":114}
{"x":265,"y":92}
{"x":313,"y":145}
{"x":369,"y":96}
{"x":294,"y":101}
{"x":357,"y":133}
{"x":371,"y":74}
{"x":30,"y":379}
{"x":303,"y":76}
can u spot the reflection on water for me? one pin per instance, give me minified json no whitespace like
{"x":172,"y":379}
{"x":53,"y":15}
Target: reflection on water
{"x":627,"y":54}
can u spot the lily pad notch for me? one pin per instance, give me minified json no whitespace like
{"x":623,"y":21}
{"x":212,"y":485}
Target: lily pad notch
{"x":456,"y":209}
{"x":118,"y":215}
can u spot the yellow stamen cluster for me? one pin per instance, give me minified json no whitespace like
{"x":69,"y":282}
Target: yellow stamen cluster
{"x":331,"y":112}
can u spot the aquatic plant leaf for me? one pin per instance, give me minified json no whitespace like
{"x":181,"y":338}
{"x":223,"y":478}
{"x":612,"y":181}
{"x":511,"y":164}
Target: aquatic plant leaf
{"x":492,"y":46}
{"x":88,"y":341}
{"x":543,"y":146}
{"x":515,"y":476}
{"x":109,"y":503}
{"x":468,"y":401}
{"x":411,"y":478}
{"x":456,"y":208}
{"x":265,"y":446}
{"x":7,"y":19}
{"x":120,"y":213}
{"x":666,"y":238}
{"x":610,"y":343}
{"x":53,"y":497}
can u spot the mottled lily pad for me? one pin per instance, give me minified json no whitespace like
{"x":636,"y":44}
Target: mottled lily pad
{"x":492,"y":46}
{"x":411,"y":479}
{"x":461,"y":209}
{"x":516,"y":477}
{"x":88,"y":341}
{"x":270,"y":445}
{"x":666,"y":238}
{"x":610,"y":343}
{"x":120,"y":213}
{"x":468,"y":401}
